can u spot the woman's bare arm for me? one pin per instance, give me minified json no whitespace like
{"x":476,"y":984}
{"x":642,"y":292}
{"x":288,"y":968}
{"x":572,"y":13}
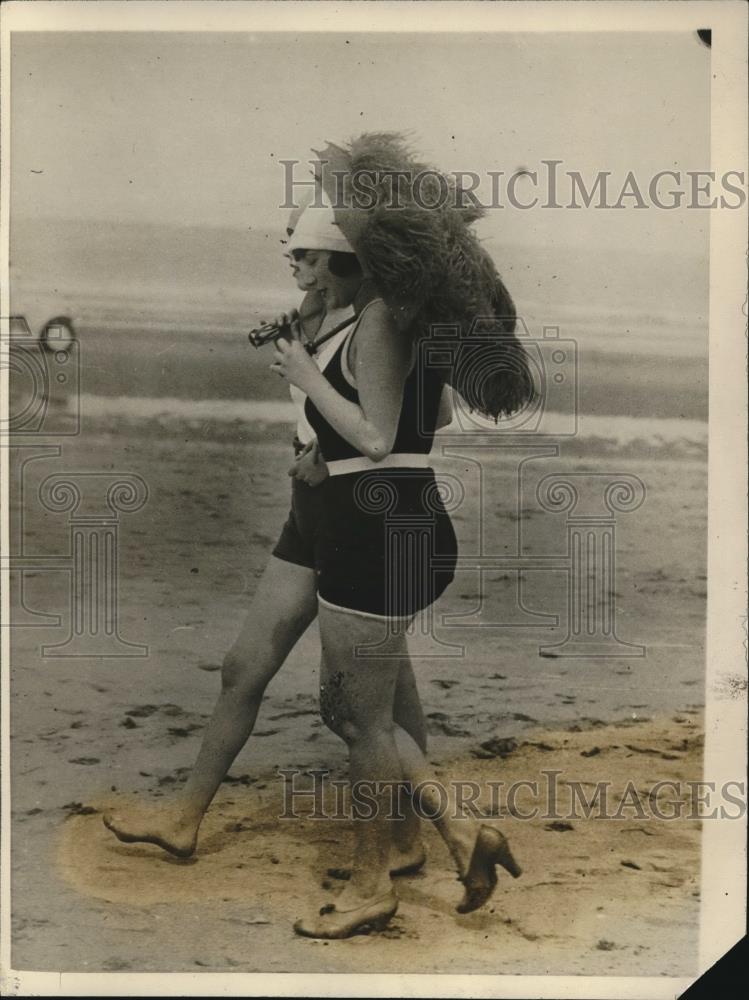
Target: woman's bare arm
{"x":381,"y":362}
{"x":445,"y":412}
{"x":381,"y":365}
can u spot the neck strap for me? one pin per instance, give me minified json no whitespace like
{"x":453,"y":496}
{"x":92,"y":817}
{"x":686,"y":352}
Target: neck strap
{"x":313,"y":346}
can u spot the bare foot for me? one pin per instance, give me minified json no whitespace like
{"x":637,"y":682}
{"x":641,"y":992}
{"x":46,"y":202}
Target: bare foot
{"x":406,"y":862}
{"x":163,"y":827}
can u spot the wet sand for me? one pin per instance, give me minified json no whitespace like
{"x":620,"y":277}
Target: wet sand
{"x":605,"y":897}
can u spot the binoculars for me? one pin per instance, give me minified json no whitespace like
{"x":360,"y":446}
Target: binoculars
{"x":269,"y":332}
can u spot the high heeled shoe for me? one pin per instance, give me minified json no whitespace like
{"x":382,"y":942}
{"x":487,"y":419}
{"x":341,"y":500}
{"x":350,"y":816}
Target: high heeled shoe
{"x":480,"y":880}
{"x":335,"y":923}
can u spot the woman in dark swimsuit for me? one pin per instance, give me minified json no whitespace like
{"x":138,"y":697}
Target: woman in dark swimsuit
{"x":285,"y":601}
{"x":375,"y":410}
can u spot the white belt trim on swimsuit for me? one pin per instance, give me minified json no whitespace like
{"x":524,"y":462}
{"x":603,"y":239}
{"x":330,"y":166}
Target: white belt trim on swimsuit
{"x":344,"y":466}
{"x":366,"y":614}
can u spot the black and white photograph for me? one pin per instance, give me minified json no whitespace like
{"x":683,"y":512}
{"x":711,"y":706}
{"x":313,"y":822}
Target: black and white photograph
{"x":374,"y":502}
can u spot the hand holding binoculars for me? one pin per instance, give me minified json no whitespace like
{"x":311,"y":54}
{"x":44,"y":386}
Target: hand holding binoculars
{"x":269,"y":332}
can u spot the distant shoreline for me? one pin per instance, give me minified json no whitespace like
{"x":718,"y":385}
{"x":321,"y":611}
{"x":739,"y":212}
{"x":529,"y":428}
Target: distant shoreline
{"x":210,"y":367}
{"x":215,"y":418}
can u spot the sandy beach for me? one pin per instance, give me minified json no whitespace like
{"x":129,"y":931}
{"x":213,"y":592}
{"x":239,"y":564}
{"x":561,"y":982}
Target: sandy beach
{"x":148,"y":194}
{"x":597,"y":896}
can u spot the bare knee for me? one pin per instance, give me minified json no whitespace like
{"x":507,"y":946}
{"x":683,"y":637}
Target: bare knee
{"x":352,"y":723}
{"x":333,"y":719}
{"x":341,"y":725}
{"x":241,"y":676}
{"x":260,"y":651}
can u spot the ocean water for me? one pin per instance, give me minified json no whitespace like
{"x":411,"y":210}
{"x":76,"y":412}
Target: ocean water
{"x":162,"y":313}
{"x":217,"y":417}
{"x":187,"y":279}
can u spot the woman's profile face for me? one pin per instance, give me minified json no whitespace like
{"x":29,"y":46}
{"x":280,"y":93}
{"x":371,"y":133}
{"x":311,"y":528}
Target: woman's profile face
{"x":310,"y":269}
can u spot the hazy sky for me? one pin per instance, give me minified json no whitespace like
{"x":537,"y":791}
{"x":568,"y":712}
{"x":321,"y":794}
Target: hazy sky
{"x":188,"y":129}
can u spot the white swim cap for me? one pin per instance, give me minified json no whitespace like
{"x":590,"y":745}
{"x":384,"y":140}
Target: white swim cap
{"x":316,"y":229}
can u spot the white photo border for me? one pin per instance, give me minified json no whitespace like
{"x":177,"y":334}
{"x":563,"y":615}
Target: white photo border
{"x":723,"y":904}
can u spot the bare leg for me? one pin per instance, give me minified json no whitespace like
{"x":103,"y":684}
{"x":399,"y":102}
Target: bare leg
{"x":357,"y":703}
{"x":407,"y":709}
{"x":407,"y":851}
{"x":284,"y":605}
{"x":407,"y":848}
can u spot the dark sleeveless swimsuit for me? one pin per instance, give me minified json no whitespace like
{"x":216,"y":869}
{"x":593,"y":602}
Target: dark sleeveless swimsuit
{"x":384,"y":543}
{"x":300,"y":537}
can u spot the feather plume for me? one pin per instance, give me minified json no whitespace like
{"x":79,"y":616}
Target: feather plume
{"x":411,"y":228}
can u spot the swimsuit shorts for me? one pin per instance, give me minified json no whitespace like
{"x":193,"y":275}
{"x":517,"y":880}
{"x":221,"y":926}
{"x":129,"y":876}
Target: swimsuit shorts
{"x":387,"y":544}
{"x":300,"y":536}
{"x":381,"y":541}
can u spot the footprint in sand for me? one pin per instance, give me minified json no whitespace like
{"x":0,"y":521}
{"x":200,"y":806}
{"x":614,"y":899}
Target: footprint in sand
{"x":184,"y":730}
{"x":142,"y":711}
{"x":116,"y":964}
{"x":78,"y":809}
